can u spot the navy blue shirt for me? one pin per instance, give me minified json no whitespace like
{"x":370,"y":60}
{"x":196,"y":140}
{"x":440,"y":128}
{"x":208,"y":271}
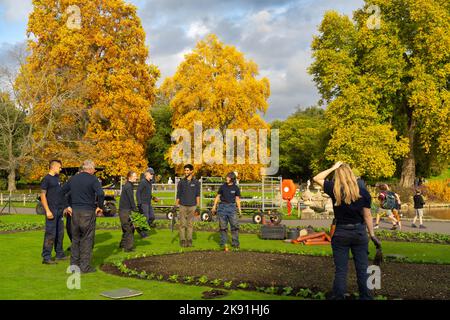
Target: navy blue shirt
{"x":53,"y":189}
{"x":126,"y":202}
{"x":86,"y":192}
{"x":228,"y":193}
{"x":188,"y":191}
{"x":144,"y":192}
{"x":352,"y":213}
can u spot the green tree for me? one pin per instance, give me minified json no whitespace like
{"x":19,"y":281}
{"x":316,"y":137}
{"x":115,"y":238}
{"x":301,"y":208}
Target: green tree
{"x":14,"y":138}
{"x":160,"y":143}
{"x":386,"y":86}
{"x":303,"y":137}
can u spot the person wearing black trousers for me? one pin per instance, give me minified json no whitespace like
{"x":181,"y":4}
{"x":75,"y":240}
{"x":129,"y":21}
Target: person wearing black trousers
{"x":144,"y":198}
{"x":126,"y":206}
{"x":351,"y":206}
{"x":87,"y":202}
{"x":53,"y":202}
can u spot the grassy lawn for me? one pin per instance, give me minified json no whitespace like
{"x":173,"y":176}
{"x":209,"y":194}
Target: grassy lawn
{"x":24,"y":277}
{"x":443,"y":176}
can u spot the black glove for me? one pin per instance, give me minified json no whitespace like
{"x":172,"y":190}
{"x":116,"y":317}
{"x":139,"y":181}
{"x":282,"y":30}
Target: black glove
{"x":376,"y":242}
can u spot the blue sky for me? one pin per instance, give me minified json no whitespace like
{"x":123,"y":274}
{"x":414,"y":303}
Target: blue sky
{"x":276,"y":34}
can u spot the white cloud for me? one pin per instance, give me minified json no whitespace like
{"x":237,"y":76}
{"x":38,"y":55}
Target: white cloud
{"x":197,"y":30}
{"x":16,"y":10}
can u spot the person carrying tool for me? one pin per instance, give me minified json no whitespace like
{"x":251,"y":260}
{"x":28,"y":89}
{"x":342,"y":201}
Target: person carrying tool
{"x":230,"y":197}
{"x":126,"y":206}
{"x":188,"y":200}
{"x":351,"y":206}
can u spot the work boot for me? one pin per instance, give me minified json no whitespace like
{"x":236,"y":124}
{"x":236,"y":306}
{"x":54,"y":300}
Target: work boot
{"x":183,"y":243}
{"x":49,"y":262}
{"x":413,"y":226}
{"x":62,"y":258}
{"x":89,"y":270}
{"x":422,"y":227}
{"x":188,"y":243}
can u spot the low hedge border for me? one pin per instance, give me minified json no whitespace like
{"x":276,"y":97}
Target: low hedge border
{"x":245,"y":228}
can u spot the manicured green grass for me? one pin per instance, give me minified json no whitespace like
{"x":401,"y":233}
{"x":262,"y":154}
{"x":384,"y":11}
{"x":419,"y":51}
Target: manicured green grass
{"x":443,"y":176}
{"x":24,"y":277}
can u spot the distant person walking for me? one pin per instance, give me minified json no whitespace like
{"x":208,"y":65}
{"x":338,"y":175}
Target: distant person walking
{"x":388,"y":202}
{"x":418,"y":208}
{"x":87,"y":198}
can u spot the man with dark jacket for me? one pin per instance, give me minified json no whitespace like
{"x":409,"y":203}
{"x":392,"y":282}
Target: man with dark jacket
{"x":126,"y":206}
{"x":53,"y":202}
{"x":144,"y":198}
{"x":87,"y":199}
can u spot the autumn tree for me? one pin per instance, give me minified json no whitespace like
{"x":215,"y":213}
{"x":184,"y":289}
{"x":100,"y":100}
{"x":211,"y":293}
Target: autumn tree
{"x":218,"y":87}
{"x":97,"y":50}
{"x":385,"y":78}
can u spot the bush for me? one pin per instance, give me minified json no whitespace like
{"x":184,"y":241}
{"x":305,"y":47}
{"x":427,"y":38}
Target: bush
{"x":438,"y":190}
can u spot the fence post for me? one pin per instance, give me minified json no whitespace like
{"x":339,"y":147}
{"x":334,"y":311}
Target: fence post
{"x":24,"y":200}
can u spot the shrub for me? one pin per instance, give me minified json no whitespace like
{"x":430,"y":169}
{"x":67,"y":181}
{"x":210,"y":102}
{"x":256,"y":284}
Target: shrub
{"x":438,"y":190}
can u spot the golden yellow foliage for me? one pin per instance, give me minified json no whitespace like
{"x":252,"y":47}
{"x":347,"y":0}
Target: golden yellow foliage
{"x":216,"y":85}
{"x":96,"y":103}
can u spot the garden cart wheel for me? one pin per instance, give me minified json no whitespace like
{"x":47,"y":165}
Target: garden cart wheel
{"x":40,"y":208}
{"x":169,"y":215}
{"x":206,"y":216}
{"x":110,"y":209}
{"x":257,"y":218}
{"x":275,"y":218}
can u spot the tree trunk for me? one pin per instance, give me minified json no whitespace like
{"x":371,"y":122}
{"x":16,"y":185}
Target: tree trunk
{"x":409,"y":163}
{"x":12,"y":180}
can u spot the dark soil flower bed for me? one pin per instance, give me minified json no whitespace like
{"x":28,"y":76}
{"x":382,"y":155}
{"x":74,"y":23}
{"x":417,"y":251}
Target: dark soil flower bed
{"x":285,"y":273}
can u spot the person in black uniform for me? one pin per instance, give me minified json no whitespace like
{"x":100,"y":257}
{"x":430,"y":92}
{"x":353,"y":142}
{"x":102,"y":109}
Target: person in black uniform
{"x":53,"y":202}
{"x":126,"y":205}
{"x":144,"y":198}
{"x":188,"y":200}
{"x":87,"y":199}
{"x":230,"y":197}
{"x":351,"y":206}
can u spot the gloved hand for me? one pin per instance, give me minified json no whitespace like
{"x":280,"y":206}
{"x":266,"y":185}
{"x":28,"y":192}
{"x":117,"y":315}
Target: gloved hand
{"x":376,"y":241}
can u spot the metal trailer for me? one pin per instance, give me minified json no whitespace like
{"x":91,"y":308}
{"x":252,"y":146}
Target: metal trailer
{"x":264,"y":206}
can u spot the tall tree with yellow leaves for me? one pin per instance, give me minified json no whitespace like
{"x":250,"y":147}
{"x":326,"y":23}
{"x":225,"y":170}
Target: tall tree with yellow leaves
{"x":96,"y":50}
{"x":217,"y":86}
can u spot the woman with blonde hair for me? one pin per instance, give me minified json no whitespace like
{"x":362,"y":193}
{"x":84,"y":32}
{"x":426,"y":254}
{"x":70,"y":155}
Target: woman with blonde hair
{"x":351,"y":206}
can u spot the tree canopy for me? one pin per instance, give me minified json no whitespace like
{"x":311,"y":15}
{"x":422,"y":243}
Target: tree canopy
{"x":386,"y":87}
{"x":95,"y":51}
{"x":216,"y":85}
